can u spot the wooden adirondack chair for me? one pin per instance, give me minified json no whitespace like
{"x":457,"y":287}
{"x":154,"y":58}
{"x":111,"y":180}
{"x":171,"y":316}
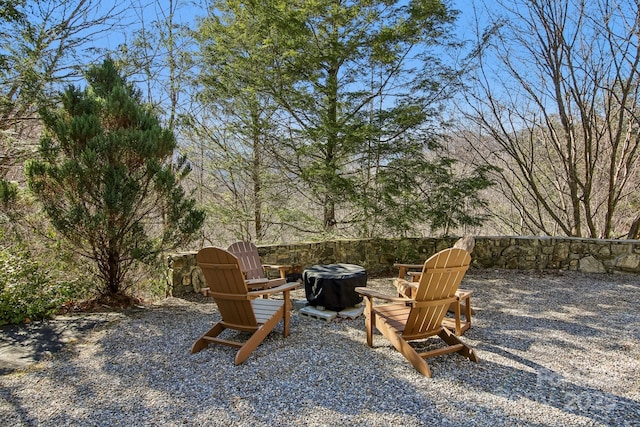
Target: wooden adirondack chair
{"x":254,"y":272}
{"x":421,"y":317}
{"x":240,"y":309}
{"x":461,"y":307}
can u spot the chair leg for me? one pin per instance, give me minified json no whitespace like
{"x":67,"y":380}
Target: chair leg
{"x":369,"y":320}
{"x":287,"y":313}
{"x":462,"y":306}
{"x":404,"y":348}
{"x":258,"y":336}
{"x":456,"y":313}
{"x":450,"y":338}
{"x":202,"y":343}
{"x":468,"y":311}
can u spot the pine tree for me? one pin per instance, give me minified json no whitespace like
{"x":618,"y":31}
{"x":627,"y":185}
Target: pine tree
{"x":106,"y":178}
{"x":345,"y":89}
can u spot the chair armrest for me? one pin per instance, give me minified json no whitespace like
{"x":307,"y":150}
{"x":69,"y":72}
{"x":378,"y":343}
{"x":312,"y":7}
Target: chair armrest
{"x":410,"y":266}
{"x":402,"y":268}
{"x":405,"y":288}
{"x":282,"y":268}
{"x":370,"y":293}
{"x":251,"y":282}
{"x":282,"y":288}
{"x":258,"y":284}
{"x":415,"y":275}
{"x":277,"y":266}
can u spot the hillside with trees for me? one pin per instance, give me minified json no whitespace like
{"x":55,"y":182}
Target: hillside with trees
{"x":290,"y":121}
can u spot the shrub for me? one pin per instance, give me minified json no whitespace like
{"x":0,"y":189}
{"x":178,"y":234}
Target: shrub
{"x":28,"y":290}
{"x":8,"y":192}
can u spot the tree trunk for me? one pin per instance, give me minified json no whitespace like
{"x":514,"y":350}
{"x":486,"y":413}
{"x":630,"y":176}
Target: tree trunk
{"x":255,"y":175}
{"x":634,"y":231}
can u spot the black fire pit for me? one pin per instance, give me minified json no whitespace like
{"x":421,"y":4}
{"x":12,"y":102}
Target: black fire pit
{"x":332,"y":286}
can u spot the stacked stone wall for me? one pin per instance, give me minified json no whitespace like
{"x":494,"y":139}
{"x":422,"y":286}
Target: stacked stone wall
{"x":379,"y":255}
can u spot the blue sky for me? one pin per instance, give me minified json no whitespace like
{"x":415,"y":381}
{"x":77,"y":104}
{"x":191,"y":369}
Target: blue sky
{"x":187,"y":14}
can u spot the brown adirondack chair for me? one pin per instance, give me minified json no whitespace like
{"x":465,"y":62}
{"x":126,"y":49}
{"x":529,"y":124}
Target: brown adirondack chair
{"x":254,"y":271}
{"x":462,"y":305}
{"x":240,"y":309}
{"x":410,"y":319}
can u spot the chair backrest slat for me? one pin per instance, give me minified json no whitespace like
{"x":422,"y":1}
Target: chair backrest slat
{"x":440,"y":278}
{"x":248,"y":258}
{"x":224,"y":277}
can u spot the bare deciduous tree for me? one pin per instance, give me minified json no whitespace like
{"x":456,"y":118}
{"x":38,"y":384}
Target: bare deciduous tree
{"x":43,"y":45}
{"x":45,"y":48}
{"x":555,"y":102}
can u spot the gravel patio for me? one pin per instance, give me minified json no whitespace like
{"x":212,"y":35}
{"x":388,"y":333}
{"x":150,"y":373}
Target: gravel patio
{"x":555,"y":349}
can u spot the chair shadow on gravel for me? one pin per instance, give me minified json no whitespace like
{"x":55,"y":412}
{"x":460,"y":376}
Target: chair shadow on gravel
{"x":553,"y":389}
{"x":325,"y":374}
{"x":313,"y":381}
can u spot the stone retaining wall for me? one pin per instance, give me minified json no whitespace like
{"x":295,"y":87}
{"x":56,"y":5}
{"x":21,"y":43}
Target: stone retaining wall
{"x":379,"y":255}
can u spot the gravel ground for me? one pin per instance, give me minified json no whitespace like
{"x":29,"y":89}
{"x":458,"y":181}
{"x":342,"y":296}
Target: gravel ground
{"x":555,"y":349}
